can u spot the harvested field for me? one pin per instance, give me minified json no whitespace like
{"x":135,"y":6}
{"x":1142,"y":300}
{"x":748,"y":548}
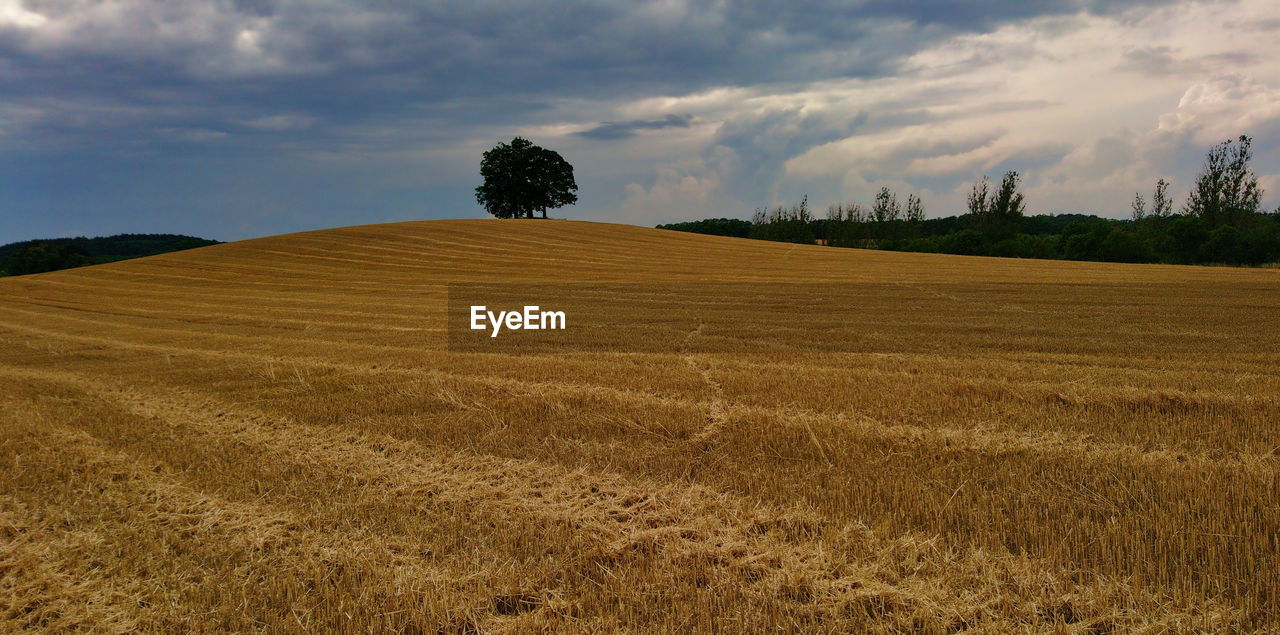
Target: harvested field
{"x":272,"y":434}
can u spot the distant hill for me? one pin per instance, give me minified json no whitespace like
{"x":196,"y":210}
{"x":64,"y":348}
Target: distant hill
{"x":38,"y":256}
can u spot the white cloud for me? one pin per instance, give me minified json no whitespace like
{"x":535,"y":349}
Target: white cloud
{"x":1088,"y":108}
{"x":686,"y":191}
{"x":1222,"y":107}
{"x":14,"y":14}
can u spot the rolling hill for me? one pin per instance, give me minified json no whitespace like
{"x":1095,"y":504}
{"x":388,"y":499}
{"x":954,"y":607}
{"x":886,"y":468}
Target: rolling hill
{"x":275,"y":434}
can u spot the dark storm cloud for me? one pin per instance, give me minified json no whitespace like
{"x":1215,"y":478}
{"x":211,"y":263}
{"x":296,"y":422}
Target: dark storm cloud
{"x":960,"y":15}
{"x":622,"y":129}
{"x":344,"y":61}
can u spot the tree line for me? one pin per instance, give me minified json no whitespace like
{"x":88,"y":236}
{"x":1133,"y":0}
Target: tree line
{"x":39,"y":256}
{"x":1221,"y":222}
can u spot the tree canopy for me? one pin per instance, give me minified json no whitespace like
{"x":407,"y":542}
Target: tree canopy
{"x":38,"y":256}
{"x":714,"y":226}
{"x":1226,"y":191}
{"x":521,"y":178}
{"x":997,"y":215}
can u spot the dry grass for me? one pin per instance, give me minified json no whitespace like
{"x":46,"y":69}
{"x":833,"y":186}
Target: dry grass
{"x":269,"y":435}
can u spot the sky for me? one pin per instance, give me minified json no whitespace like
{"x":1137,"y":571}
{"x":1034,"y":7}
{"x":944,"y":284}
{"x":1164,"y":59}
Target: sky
{"x":232,"y":119}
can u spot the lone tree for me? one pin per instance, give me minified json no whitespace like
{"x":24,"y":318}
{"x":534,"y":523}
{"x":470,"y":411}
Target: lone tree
{"x":1226,"y":192}
{"x":520,"y":177}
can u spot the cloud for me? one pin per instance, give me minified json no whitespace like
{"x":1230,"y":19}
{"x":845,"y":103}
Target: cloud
{"x":364,"y":111}
{"x":610,"y":130}
{"x":1163,"y":60}
{"x":1264,"y":25}
{"x":1222,"y":107}
{"x":759,"y":144}
{"x":13,"y":14}
{"x":281,"y":122}
{"x":1151,"y":60}
{"x":681,"y":192}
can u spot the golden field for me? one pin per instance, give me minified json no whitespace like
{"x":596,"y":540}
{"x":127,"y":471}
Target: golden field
{"x":272,"y":435}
